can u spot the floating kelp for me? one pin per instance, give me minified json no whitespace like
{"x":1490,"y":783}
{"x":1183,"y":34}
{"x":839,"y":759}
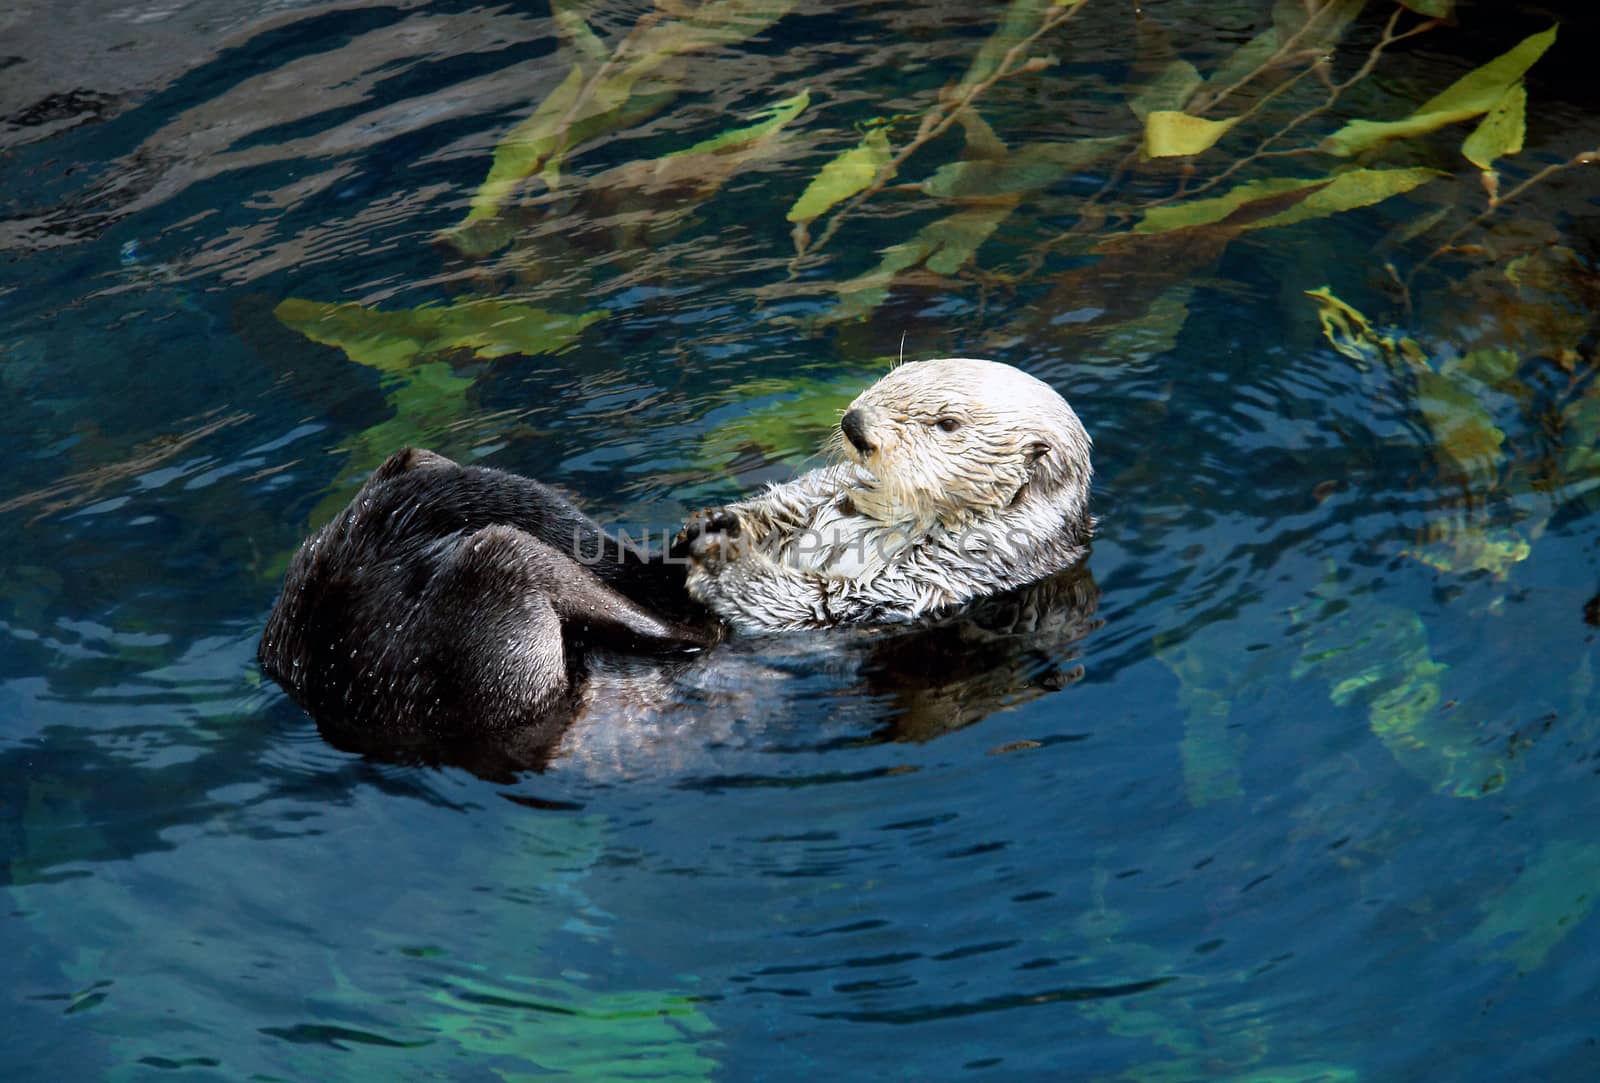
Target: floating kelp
{"x":392,"y":341}
{"x":845,"y":175}
{"x":1027,"y":168}
{"x":1283,"y":201}
{"x":789,"y":428}
{"x":1467,"y":444}
{"x":1169,"y":91}
{"x":1207,"y":684}
{"x":1478,"y":92}
{"x":1191,"y":1029}
{"x":1169,"y":134}
{"x":1501,"y":132}
{"x":427,"y":396}
{"x":708,"y":163}
{"x":943,"y":247}
{"x":604,"y":92}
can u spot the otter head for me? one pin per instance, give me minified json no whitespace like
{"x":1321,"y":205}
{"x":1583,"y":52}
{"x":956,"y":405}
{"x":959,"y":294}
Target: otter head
{"x":959,"y":440}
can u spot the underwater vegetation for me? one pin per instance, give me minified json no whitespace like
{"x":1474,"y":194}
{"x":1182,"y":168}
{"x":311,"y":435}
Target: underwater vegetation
{"x":1117,"y":222}
{"x":1201,"y":156}
{"x":1098,"y":177}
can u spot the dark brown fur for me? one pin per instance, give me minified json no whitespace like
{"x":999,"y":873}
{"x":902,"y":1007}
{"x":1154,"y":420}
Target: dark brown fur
{"x":448,"y":599}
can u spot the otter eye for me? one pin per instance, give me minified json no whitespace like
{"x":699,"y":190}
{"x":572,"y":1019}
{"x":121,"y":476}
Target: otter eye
{"x":948,"y":424}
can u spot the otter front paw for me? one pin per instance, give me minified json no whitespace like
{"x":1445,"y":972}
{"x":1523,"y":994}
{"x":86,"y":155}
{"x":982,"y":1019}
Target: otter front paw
{"x":708,"y":538}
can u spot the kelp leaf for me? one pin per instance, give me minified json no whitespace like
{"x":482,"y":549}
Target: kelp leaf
{"x":1151,"y":333}
{"x":956,"y":239}
{"x":1491,"y":366}
{"x":1204,"y":212}
{"x":1500,"y":133}
{"x":392,"y":341}
{"x":944,"y":247}
{"x":1168,"y":91}
{"x":575,"y":30}
{"x":1353,"y":335}
{"x":843,"y":177}
{"x":1348,"y":191}
{"x":1321,"y":197}
{"x":1027,"y":169}
{"x":601,"y":94}
{"x":1346,"y":329}
{"x":1433,"y":9}
{"x":1464,"y":437}
{"x":427,"y":399}
{"x":1212,"y":667}
{"x":1472,"y":95}
{"x":1458,"y":546}
{"x":1172,"y":135}
{"x":785,"y":429}
{"x":574,"y":112}
{"x":715,"y":22}
{"x":1243,"y":61}
{"x":770,"y":120}
{"x":709,"y":163}
{"x":1317,"y":26}
{"x":1290,"y":21}
{"x":526,"y":148}
{"x":1022,"y":18}
{"x":1580,"y":432}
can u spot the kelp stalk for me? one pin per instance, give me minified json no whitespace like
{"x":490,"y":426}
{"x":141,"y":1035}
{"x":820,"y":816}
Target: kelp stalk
{"x":1334,"y":93}
{"x":1588,"y":157}
{"x":941,"y":115}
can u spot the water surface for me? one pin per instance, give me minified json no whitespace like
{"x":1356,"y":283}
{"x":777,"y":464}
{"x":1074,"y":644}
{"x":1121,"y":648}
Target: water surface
{"x":1312,"y":801}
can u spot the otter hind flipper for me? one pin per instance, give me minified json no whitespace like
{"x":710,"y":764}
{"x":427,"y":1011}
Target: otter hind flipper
{"x":488,"y":626}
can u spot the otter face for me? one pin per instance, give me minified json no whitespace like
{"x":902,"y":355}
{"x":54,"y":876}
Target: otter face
{"x":958,"y":440}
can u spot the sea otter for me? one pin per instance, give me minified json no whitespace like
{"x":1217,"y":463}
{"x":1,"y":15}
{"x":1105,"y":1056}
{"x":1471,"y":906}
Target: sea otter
{"x":452,"y":600}
{"x":963,"y":478}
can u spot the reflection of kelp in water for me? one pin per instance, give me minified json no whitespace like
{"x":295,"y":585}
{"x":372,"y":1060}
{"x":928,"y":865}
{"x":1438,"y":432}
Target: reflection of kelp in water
{"x":1276,"y":85}
{"x":1172,"y":1014}
{"x":401,"y":1001}
{"x":649,"y":717}
{"x":1549,"y":898}
{"x":558,"y":1026}
{"x":1376,"y":656}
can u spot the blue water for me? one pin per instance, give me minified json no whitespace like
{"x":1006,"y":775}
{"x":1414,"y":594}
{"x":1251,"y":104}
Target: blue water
{"x":1217,"y":852}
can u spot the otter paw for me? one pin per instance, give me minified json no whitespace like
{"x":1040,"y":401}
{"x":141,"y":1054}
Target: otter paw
{"x":707,"y":537}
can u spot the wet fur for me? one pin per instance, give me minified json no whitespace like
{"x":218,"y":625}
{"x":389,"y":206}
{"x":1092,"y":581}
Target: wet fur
{"x":447,"y":598}
{"x":448,"y":603}
{"x":925,"y":521}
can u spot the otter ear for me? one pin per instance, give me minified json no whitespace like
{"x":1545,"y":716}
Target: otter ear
{"x":1033,"y":453}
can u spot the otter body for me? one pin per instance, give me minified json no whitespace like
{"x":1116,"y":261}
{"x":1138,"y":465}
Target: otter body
{"x":446,"y":599}
{"x":449,"y":600}
{"x":964,"y":478}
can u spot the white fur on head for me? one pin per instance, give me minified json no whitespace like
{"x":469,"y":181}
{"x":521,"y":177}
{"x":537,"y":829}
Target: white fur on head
{"x":958,"y":440}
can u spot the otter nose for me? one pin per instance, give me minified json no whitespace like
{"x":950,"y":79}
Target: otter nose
{"x":855,"y":431}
